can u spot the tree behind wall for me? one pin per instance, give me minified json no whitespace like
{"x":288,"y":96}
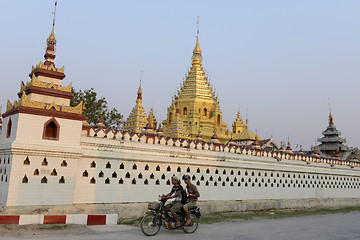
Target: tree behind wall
{"x":97,"y":108}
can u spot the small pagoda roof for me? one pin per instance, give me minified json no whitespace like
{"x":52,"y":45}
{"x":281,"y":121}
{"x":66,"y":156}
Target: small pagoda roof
{"x":331,"y":130}
{"x":246,"y":134}
{"x":332,"y":139}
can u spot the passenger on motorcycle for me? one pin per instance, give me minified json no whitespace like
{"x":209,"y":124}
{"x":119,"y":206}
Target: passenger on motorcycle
{"x":192,"y":194}
{"x":178,"y":193}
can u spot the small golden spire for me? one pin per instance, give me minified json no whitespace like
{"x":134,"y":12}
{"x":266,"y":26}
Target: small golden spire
{"x":330,"y":119}
{"x":51,"y":38}
{"x":139,"y":92}
{"x":197,"y":49}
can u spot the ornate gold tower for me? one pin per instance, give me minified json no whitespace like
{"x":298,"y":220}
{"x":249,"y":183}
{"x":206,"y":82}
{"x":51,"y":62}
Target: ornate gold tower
{"x":177,"y":128}
{"x":246,"y":136}
{"x":152,"y":120}
{"x":199,"y":108}
{"x":137,"y":119}
{"x":238,"y":125}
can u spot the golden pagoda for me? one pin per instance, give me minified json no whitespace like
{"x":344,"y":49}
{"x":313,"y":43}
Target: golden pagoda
{"x":238,"y":125}
{"x":177,"y":128}
{"x":137,"y":119}
{"x":152,"y":120}
{"x":246,"y":136}
{"x":199,"y":108}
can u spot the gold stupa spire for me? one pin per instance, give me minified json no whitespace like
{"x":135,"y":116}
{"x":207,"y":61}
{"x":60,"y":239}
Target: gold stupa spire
{"x":51,"y":42}
{"x":238,"y":125}
{"x":139,"y":92}
{"x":331,"y":119}
{"x":197,"y":58}
{"x":137,"y":119}
{"x":51,"y":37}
{"x":197,"y":49}
{"x":196,"y":104}
{"x":151,"y":119}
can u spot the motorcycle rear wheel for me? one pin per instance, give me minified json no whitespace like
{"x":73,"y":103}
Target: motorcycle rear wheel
{"x":149,"y":225}
{"x":193,"y":224}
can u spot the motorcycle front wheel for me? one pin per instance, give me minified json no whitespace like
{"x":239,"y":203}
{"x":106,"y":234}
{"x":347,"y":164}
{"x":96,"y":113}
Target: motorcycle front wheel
{"x":150,"y":225}
{"x":194,"y":223}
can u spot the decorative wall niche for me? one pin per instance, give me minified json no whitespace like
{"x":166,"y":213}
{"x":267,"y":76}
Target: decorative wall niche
{"x":51,"y":130}
{"x":25,"y":179}
{"x":44,"y":180}
{"x":107,"y":181}
{"x":62,"y":179}
{"x":27,"y":161}
{"x":54,"y":173}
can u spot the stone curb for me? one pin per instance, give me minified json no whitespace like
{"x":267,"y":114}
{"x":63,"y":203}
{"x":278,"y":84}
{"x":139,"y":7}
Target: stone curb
{"x":82,"y":219}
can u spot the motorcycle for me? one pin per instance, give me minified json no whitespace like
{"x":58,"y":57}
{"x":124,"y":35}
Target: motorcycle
{"x":158,"y":216}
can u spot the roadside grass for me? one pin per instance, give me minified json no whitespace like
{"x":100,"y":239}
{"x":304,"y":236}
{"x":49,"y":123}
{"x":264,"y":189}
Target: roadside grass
{"x":130,"y":221}
{"x":268,"y":214}
{"x":272,"y":214}
{"x":54,"y":227}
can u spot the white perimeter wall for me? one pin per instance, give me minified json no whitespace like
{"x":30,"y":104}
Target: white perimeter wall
{"x":236,"y":176}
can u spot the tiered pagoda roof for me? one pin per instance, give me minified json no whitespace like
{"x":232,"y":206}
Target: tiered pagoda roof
{"x":246,"y":135}
{"x":177,"y":129}
{"x":151,"y":119}
{"x":238,"y":125}
{"x":137,"y":119}
{"x":199,"y":107}
{"x":331,"y":143}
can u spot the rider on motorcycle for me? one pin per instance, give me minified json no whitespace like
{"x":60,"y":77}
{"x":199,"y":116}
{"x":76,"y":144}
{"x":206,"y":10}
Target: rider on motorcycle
{"x":178,"y":193}
{"x":192,"y":194}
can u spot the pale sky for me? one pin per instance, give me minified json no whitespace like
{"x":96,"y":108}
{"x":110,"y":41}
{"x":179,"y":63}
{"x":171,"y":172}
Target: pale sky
{"x":282,"y":60}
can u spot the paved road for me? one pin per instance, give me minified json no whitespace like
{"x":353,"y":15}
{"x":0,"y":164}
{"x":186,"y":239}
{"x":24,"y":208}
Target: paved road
{"x":321,"y":227}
